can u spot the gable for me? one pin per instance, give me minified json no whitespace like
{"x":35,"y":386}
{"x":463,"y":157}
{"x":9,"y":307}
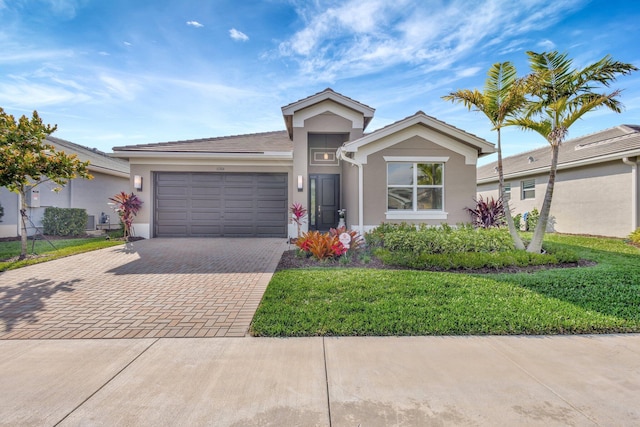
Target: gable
{"x":422,"y":126}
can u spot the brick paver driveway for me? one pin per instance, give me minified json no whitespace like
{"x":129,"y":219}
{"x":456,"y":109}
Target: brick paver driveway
{"x":150,"y":288}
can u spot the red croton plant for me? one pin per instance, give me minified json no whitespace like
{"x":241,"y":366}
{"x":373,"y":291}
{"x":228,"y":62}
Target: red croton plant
{"x":327,"y":245}
{"x":127,"y":207}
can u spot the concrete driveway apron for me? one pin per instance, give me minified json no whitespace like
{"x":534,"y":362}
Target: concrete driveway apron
{"x":192,"y":287}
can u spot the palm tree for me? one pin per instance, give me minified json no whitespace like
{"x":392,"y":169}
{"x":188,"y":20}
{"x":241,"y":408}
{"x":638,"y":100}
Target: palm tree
{"x":560,"y":95}
{"x":502,"y":97}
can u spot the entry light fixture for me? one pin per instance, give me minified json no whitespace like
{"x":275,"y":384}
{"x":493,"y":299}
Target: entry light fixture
{"x":325,"y":155}
{"x":300,"y":183}
{"x":137,"y":182}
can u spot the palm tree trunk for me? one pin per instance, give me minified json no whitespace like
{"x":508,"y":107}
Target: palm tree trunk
{"x":536,"y":242}
{"x":517,"y":241}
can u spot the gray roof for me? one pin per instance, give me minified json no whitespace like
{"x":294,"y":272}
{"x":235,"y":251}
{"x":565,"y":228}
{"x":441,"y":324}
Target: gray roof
{"x":98,"y":160}
{"x":277,"y":141}
{"x":616,"y":142}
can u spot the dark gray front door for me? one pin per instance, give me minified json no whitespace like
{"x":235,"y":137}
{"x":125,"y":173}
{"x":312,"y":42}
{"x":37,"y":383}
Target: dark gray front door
{"x":324,"y":194}
{"x":190,"y":204}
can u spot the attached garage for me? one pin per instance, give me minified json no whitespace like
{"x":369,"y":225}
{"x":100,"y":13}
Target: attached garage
{"x":199,"y":204}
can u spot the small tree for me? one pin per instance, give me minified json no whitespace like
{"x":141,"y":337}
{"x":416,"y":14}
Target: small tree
{"x":26,"y":161}
{"x":127,"y":207}
{"x":487,"y":213}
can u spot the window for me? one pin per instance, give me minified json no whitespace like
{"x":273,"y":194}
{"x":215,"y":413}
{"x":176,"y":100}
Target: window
{"x":415,"y":187}
{"x":507,"y":191}
{"x":528,"y":189}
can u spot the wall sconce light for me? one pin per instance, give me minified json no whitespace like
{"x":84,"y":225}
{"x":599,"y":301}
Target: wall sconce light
{"x":300,"y":183}
{"x":137,"y":182}
{"x":325,"y":155}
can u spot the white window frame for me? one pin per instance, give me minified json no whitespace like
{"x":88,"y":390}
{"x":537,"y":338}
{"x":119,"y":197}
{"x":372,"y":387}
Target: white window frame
{"x":531,"y":188}
{"x":507,"y":191}
{"x":414,"y":213}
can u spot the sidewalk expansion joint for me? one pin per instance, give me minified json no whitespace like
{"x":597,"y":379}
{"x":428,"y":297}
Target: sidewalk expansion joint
{"x":326,"y":379}
{"x":107,"y":382}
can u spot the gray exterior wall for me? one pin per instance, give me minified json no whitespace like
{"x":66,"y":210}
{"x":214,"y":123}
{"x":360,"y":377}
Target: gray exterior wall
{"x":594,"y":199}
{"x":459,"y":183}
{"x":91,"y":195}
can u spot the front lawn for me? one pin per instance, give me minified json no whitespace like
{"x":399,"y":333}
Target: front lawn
{"x":43,"y":251}
{"x":603,"y":298}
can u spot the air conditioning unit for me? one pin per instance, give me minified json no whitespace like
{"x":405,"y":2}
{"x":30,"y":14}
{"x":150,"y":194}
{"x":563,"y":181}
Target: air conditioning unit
{"x":91,"y":222}
{"x":32,"y":196}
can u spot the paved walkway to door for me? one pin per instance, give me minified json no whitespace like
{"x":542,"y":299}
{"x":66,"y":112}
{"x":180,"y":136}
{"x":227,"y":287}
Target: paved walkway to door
{"x":150,"y":288}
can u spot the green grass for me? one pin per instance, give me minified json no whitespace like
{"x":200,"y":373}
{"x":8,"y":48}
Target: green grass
{"x":603,"y":298}
{"x":63,"y":248}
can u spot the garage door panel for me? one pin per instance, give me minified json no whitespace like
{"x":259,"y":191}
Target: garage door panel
{"x":206,"y":203}
{"x":173,"y":203}
{"x":220,"y":204}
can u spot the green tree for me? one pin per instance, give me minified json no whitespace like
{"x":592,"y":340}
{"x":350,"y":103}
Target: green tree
{"x":26,"y":161}
{"x":502,"y":97}
{"x":558,"y":95}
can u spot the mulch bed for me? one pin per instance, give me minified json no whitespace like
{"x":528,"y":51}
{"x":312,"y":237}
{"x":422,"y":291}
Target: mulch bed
{"x":290,"y":260}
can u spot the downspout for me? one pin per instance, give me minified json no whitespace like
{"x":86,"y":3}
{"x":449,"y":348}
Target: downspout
{"x":634,"y":192}
{"x":343,"y":156}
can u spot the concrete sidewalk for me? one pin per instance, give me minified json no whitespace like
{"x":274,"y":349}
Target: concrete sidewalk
{"x":408,"y":381}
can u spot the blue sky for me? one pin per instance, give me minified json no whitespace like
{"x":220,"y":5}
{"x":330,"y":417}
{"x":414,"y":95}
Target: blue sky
{"x":120,"y":72}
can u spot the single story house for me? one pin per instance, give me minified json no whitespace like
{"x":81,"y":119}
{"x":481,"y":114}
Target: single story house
{"x":597,"y":185}
{"x":110,"y":176}
{"x":417,"y":169}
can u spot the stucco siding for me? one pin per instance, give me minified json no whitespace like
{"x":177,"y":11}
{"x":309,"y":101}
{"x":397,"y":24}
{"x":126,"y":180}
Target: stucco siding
{"x":459,"y":182}
{"x":594,"y":199}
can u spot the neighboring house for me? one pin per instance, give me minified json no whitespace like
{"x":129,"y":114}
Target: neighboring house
{"x":110,"y":176}
{"x":597,"y":183}
{"x":418,"y":169}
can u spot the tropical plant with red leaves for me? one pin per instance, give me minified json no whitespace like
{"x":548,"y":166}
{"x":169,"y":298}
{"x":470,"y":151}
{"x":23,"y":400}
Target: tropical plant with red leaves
{"x":487,"y":213}
{"x":298,"y":213}
{"x":127,"y":207}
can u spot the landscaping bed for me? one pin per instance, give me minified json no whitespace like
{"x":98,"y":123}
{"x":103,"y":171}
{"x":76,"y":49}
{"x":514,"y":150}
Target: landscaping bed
{"x":599,"y":295}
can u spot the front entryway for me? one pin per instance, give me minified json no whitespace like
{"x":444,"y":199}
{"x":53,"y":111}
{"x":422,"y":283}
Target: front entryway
{"x":324,"y":201}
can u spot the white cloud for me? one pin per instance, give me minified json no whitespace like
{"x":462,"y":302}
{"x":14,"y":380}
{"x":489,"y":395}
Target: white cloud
{"x":103,"y":53}
{"x":356,"y":38}
{"x":195,"y":24}
{"x":547,"y":44}
{"x":33,"y":95}
{"x":238,"y":35}
{"x":127,"y":44}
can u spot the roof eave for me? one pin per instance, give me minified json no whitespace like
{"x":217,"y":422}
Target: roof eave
{"x":562,"y":166}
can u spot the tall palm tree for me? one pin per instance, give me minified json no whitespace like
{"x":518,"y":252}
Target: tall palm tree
{"x":502,"y":98}
{"x":560,"y":95}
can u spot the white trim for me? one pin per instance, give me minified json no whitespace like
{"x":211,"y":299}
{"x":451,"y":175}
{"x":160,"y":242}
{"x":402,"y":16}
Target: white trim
{"x":355,"y":117}
{"x":266,"y":156}
{"x":470,"y":154}
{"x":141,"y":230}
{"x":415,"y":186}
{"x":415,"y":159}
{"x":325,"y":95}
{"x":396,"y":215}
{"x":341,"y":155}
{"x":435,"y":126}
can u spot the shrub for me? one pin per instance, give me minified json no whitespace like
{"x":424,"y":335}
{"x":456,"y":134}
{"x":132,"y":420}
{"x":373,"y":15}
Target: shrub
{"x":473,"y":260}
{"x":375,"y":237}
{"x":487,"y":213}
{"x":321,"y":245}
{"x":517,"y":221}
{"x":356,"y":238}
{"x":445,"y":239}
{"x":635,"y":236}
{"x":64,"y":221}
{"x":298,"y":213}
